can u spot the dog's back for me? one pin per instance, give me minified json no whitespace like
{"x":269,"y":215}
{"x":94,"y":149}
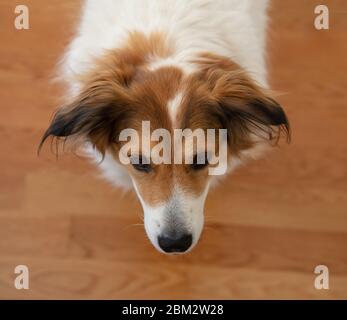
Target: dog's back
{"x":230,"y":28}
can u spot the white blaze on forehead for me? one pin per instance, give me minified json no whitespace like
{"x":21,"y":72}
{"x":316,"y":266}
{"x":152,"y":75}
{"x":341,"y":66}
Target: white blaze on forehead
{"x":174,"y":104}
{"x":172,"y":61}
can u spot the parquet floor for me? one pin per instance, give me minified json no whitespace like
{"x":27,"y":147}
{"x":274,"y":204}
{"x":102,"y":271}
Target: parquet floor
{"x":268,"y":225}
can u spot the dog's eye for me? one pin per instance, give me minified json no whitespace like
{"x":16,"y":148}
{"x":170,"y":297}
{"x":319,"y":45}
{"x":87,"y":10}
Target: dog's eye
{"x":138,"y":164}
{"x":199,"y":163}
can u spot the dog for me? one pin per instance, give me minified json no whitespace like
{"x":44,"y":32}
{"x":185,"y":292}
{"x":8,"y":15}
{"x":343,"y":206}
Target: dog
{"x":180,"y":64}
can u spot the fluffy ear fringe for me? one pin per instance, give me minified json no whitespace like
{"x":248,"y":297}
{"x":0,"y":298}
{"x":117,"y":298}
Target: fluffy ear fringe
{"x":98,"y":125}
{"x":247,"y":111}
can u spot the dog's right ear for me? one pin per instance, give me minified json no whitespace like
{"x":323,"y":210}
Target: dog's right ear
{"x":95,"y":116}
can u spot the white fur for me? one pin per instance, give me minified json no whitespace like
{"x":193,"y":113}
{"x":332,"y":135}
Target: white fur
{"x":232,"y":28}
{"x":173,"y":106}
{"x":190,"y":214}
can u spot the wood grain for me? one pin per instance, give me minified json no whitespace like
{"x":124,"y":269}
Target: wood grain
{"x":268,"y":225}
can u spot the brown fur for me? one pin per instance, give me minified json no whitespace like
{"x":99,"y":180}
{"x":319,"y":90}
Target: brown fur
{"x":121,"y":92}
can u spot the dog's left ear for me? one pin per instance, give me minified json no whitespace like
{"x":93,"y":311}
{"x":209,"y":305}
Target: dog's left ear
{"x":247,"y":111}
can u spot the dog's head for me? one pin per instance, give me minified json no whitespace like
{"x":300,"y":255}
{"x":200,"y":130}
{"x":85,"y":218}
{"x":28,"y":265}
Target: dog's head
{"x":125,"y":89}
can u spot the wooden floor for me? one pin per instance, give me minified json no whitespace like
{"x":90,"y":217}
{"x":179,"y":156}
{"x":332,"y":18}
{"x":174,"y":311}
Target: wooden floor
{"x":268,"y":225}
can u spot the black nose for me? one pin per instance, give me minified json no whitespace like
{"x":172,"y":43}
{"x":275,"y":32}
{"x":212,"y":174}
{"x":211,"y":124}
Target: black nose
{"x":177,"y":244}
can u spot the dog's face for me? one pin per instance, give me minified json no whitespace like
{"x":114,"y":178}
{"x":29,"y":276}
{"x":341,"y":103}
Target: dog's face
{"x":172,"y":195}
{"x":124,"y":90}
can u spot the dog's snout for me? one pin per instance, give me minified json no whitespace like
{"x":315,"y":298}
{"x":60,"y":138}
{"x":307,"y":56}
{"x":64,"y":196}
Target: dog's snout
{"x":171,"y":244}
